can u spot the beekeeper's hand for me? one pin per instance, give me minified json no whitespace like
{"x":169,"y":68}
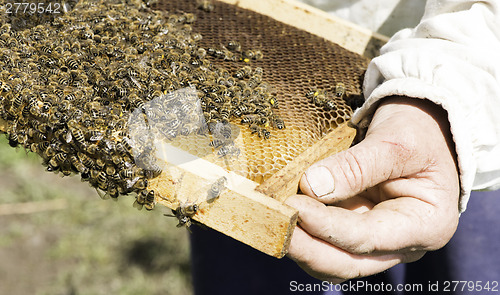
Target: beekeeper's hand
{"x":391,"y":198}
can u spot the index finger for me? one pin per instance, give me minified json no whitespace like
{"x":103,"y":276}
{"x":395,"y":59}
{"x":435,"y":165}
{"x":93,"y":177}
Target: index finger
{"x":393,"y":225}
{"x":329,"y":263}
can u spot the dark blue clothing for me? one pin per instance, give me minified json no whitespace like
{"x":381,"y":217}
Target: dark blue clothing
{"x":223,"y":266}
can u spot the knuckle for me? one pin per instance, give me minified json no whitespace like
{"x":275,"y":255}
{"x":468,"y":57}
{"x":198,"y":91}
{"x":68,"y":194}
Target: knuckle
{"x":352,"y":170}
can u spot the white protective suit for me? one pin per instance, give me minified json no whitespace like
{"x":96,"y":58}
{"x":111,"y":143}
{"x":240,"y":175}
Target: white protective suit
{"x":450,"y":56}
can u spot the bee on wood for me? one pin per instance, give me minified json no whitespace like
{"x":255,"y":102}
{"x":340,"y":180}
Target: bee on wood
{"x":216,"y":189}
{"x":184,"y":213}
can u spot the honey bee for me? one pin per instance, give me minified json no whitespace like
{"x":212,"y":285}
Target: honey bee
{"x":18,"y":101}
{"x":128,"y":173}
{"x":122,"y":150}
{"x":339,"y":89}
{"x":135,"y":101}
{"x":312,"y":93}
{"x":200,"y":53}
{"x":261,"y":132}
{"x":188,"y":128}
{"x":277,"y":122}
{"x":189,"y":18}
{"x":77,"y":133}
{"x":149,"y":200}
{"x":93,"y":149}
{"x":320,"y":98}
{"x":243,"y":72}
{"x":153,"y":170}
{"x":112,"y":191}
{"x":225,"y":112}
{"x":250,"y":119}
{"x":258,"y":71}
{"x":39,"y":147}
{"x":228,"y":150}
{"x":57,"y":160}
{"x":264,"y":121}
{"x":234,"y":46}
{"x":13,"y":139}
{"x":94,"y":135}
{"x":45,"y":49}
{"x":220,"y":130}
{"x":72,"y":64}
{"x":258,"y":55}
{"x":118,"y":161}
{"x":65,"y":168}
{"x":102,"y":180}
{"x":217,"y":143}
{"x":330,"y":105}
{"x":254,"y":81}
{"x":64,"y":106}
{"x":140,"y":199}
{"x":216,"y":189}
{"x":140,"y":184}
{"x":184,"y":213}
{"x":77,"y":164}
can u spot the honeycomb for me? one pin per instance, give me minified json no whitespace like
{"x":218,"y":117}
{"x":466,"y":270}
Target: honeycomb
{"x":92,"y":91}
{"x":294,"y":62}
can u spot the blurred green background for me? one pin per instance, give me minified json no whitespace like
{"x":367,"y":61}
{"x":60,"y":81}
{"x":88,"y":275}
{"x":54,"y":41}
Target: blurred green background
{"x":78,"y":243}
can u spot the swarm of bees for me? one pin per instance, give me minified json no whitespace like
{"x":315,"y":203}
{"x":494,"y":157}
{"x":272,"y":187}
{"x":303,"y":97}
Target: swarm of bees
{"x":73,"y":85}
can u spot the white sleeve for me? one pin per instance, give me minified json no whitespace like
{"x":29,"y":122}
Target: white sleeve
{"x":453,"y":59}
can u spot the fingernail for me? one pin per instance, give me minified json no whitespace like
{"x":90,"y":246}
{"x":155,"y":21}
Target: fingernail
{"x":320,"y":180}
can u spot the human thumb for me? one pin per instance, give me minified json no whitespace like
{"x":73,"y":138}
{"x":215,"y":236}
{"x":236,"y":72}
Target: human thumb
{"x":352,"y":171}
